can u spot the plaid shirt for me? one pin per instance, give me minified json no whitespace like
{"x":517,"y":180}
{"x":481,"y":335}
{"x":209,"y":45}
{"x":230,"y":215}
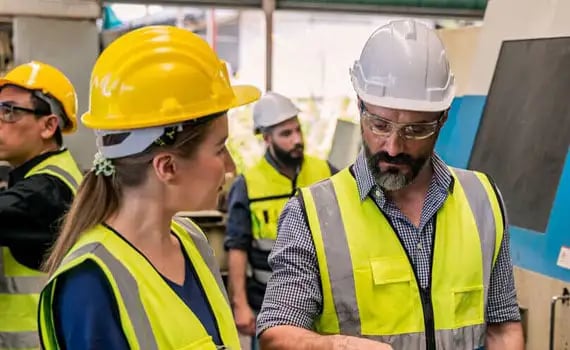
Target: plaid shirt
{"x":294,"y":292}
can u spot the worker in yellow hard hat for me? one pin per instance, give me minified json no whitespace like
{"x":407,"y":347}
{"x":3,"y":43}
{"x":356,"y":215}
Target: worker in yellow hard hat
{"x":37,"y":104}
{"x":126,"y":273}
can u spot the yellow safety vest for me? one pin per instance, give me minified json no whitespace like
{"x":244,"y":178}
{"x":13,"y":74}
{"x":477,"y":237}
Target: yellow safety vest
{"x":152,"y":315}
{"x":369,"y":286}
{"x":20,"y":286}
{"x":268,"y":191}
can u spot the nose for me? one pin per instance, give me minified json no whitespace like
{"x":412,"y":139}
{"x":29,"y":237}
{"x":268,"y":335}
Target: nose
{"x":297,"y":138}
{"x":393,"y":144}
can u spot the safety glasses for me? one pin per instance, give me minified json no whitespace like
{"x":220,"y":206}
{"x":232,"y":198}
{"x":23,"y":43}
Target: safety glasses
{"x":11,"y":114}
{"x":409,"y":131}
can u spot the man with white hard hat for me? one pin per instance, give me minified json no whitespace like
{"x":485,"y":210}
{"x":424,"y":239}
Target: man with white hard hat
{"x":398,"y":250}
{"x":257,"y":198}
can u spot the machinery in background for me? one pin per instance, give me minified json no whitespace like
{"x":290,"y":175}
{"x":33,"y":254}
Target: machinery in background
{"x":511,"y":120}
{"x":346,"y":143}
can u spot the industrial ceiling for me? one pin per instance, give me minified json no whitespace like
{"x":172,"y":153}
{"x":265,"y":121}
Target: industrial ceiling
{"x":437,"y":8}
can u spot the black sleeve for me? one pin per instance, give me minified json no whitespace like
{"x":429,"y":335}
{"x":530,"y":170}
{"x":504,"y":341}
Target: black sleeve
{"x":30,"y":211}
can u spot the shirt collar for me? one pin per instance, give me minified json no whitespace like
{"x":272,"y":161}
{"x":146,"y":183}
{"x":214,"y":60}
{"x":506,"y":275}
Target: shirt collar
{"x":366,"y":183}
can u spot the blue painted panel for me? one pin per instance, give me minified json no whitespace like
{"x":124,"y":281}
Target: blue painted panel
{"x":535,"y":251}
{"x":539,"y":252}
{"x":458,"y":134}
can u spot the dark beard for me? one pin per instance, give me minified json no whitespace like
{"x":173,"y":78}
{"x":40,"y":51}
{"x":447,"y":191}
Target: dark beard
{"x":286,"y":158}
{"x":392,"y":179}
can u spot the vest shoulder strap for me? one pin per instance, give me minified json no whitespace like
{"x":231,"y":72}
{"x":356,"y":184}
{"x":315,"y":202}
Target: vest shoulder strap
{"x":124,"y":284}
{"x":206,"y":251}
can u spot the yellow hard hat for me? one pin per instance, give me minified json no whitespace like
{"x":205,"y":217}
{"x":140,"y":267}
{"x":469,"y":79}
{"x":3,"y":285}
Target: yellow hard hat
{"x":159,"y":75}
{"x":50,"y":81}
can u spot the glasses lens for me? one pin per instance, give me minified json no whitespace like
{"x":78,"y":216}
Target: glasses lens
{"x":7,"y":113}
{"x":418,"y":131}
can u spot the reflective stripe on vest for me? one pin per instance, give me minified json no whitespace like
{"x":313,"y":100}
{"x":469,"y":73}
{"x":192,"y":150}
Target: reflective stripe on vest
{"x":340,"y":292}
{"x":261,"y":276}
{"x":263,"y":244}
{"x":128,"y":288}
{"x":20,"y":286}
{"x":19,"y":294}
{"x":268,"y":191}
{"x":143,"y":298}
{"x":62,"y":174}
{"x":19,"y":340}
{"x":14,"y":282}
{"x":63,"y":167}
{"x":445,"y":339}
{"x":206,"y":250}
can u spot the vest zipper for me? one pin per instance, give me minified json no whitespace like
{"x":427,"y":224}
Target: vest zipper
{"x":429,"y":321}
{"x":425,"y":294}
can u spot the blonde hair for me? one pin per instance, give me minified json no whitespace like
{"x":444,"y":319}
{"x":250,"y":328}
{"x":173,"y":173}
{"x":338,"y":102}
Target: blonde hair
{"x":98,"y":196}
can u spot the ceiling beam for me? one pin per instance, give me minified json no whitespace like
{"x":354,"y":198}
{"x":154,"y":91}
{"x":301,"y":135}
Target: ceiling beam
{"x":304,"y":5}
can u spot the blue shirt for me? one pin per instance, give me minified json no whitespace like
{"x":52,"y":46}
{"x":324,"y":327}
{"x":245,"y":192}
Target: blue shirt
{"x":86,"y":313}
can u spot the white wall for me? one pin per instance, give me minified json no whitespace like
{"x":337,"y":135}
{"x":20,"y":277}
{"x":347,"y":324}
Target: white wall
{"x":312,"y":54}
{"x":461,"y":46}
{"x":312,"y":51}
{"x":514,"y":19}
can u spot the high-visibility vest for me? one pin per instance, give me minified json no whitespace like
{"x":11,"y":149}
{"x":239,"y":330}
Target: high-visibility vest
{"x":20,"y":286}
{"x":152,"y":315}
{"x":268,"y":191}
{"x":370,"y":288}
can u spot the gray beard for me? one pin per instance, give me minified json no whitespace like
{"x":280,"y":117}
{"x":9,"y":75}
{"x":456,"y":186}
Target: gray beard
{"x":392,"y":181}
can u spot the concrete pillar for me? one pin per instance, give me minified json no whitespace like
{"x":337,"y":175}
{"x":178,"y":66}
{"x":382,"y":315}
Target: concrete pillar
{"x":71,"y":45}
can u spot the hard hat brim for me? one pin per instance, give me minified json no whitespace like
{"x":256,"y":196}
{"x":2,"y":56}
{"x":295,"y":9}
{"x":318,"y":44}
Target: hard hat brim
{"x":407,"y":104}
{"x":245,"y":94}
{"x":4,"y":82}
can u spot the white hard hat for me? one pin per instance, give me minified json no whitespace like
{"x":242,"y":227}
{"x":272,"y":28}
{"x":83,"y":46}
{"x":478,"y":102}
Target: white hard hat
{"x":403,"y":65}
{"x":272,"y":109}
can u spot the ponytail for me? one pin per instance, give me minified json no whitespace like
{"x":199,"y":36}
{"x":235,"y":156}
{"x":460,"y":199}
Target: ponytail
{"x":96,"y":199}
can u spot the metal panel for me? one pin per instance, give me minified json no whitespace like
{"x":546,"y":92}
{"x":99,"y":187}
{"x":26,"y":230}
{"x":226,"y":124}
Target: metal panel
{"x":346,"y":143}
{"x":455,"y":8}
{"x":439,"y":8}
{"x":207,"y":3}
{"x":525,"y":131}
{"x":54,"y":8}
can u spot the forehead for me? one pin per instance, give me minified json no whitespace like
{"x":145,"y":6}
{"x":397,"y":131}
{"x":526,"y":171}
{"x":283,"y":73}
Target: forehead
{"x":218,"y":130}
{"x":11,"y":93}
{"x":401,"y":115}
{"x":292,"y":123}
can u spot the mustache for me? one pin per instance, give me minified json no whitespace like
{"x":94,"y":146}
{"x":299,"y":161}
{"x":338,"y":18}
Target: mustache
{"x":297,"y":147}
{"x":398,"y":159}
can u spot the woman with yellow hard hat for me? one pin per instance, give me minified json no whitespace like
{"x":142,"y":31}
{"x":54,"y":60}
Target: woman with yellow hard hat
{"x":123,"y":273}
